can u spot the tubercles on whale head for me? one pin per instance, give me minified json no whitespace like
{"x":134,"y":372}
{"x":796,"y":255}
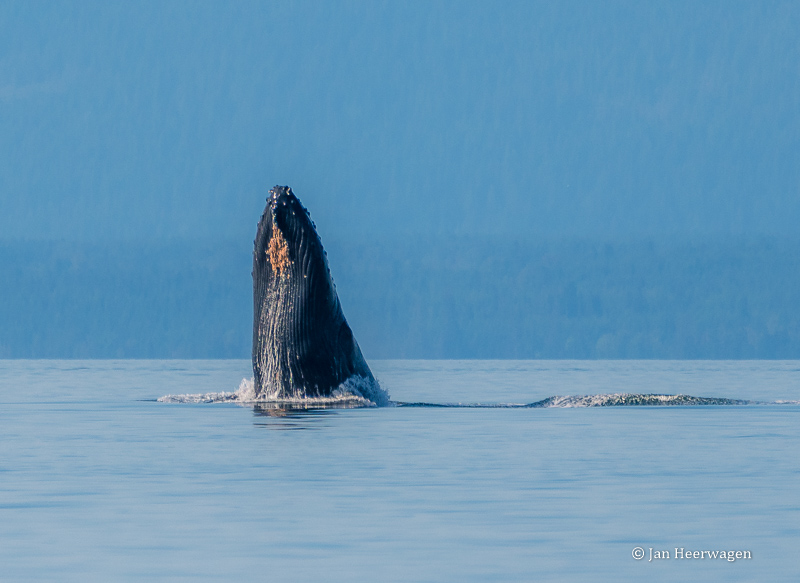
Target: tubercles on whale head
{"x":280,"y":195}
{"x":281,"y":199}
{"x":285,"y":208}
{"x":286,"y":225}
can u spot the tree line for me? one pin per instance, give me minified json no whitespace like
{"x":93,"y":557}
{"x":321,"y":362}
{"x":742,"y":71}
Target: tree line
{"x":435,"y":297}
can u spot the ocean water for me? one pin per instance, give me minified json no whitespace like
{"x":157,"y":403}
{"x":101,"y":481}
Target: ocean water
{"x":100,"y":482}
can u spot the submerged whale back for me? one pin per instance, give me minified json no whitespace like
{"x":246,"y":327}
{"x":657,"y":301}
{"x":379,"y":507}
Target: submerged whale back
{"x":302,"y":344}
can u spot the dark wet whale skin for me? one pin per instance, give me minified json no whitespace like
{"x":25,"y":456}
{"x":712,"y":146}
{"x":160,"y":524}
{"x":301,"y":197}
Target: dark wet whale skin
{"x":302,"y":344}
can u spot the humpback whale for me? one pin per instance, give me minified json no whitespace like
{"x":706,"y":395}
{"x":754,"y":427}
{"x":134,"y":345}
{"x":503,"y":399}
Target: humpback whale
{"x":302,"y":344}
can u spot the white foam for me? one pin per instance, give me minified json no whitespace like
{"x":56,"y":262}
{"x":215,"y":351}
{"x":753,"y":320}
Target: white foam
{"x":356,"y":391}
{"x":634,"y":399}
{"x":199,"y":398}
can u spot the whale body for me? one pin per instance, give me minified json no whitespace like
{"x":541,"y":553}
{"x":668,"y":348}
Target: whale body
{"x":302,"y":344}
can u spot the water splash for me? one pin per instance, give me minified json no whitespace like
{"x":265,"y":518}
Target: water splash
{"x":359,"y":392}
{"x":635,"y":399}
{"x":355,"y":392}
{"x":606,"y":400}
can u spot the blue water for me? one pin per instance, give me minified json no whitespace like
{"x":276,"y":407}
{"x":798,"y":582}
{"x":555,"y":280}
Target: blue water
{"x":99,"y":482}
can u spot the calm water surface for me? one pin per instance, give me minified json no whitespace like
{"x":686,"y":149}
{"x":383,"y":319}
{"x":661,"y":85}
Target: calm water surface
{"x":98,"y":482}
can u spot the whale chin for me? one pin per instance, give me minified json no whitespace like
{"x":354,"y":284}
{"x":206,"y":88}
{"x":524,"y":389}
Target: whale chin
{"x":303,"y":346}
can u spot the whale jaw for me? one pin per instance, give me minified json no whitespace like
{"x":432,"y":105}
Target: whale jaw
{"x":302,"y":344}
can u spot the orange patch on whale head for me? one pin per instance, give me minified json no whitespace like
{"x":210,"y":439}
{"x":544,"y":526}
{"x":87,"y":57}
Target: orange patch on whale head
{"x":278,"y":251}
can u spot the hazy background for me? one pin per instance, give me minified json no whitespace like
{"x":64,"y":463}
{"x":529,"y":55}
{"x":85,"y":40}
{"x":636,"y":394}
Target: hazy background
{"x":552,"y":179}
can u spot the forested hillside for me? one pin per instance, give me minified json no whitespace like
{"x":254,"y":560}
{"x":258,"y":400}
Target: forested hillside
{"x":478,"y":297}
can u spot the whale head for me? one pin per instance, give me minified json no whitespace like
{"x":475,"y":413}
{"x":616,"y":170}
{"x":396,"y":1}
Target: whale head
{"x":287,"y":245}
{"x":302,"y":343}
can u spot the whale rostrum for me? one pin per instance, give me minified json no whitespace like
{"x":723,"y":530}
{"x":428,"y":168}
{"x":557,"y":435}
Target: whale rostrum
{"x":302,"y":344}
